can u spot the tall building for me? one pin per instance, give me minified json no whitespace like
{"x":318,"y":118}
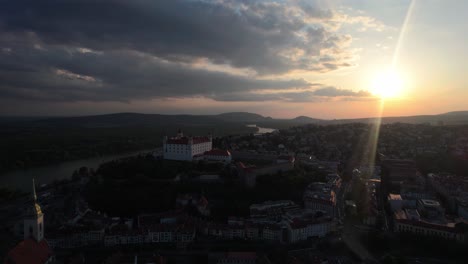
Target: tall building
{"x":34,"y":249}
{"x":394,"y":172}
{"x":320,"y":196}
{"x":182,"y":147}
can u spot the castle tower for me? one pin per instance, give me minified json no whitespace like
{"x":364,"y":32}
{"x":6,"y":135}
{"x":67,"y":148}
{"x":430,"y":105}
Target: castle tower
{"x":34,"y":219}
{"x":180,"y":134}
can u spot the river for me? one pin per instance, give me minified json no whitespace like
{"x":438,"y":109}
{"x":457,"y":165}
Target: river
{"x":263,"y":130}
{"x":21,"y":179}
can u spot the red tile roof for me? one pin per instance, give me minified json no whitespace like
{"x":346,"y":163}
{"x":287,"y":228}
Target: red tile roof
{"x":30,"y":251}
{"x":203,"y":201}
{"x":242,"y":166}
{"x":428,"y":225}
{"x":185,"y":140}
{"x":218,"y":152}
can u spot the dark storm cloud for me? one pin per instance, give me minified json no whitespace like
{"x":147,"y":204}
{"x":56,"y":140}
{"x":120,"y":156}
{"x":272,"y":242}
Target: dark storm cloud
{"x":250,"y":34}
{"x":319,"y":95}
{"x":304,"y":96}
{"x":60,"y":74}
{"x":120,"y":50}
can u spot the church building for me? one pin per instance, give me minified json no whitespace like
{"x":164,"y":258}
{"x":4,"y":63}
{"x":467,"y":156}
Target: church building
{"x":34,"y":249}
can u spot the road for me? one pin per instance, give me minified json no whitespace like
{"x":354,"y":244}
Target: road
{"x":351,"y":237}
{"x":350,"y":233}
{"x":340,"y":200}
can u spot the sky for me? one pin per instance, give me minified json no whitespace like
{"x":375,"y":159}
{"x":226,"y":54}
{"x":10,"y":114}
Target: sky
{"x":285,"y":58}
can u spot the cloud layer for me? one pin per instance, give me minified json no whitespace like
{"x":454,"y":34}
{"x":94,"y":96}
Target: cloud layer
{"x":125,"y":50}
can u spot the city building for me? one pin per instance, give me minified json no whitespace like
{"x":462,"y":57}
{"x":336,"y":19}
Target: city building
{"x":454,"y":190}
{"x":303,"y":229}
{"x":409,"y":221}
{"x":272,"y":232}
{"x":76,"y":236}
{"x":250,"y":173}
{"x":271,"y":209}
{"x":430,"y":209}
{"x":233,"y":258}
{"x":395,"y":171}
{"x":218,"y":155}
{"x":320,"y":196}
{"x":252,"y":231}
{"x":395,"y":201}
{"x":304,"y":224}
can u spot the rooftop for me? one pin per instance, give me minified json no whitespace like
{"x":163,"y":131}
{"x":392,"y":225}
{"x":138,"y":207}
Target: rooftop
{"x":186,"y":140}
{"x":30,"y":251}
{"x":430,"y":203}
{"x":394,"y":197}
{"x":412,"y":214}
{"x":272,"y":204}
{"x":218,"y":152}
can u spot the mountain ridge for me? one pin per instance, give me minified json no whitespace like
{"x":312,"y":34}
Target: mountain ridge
{"x":143,"y":119}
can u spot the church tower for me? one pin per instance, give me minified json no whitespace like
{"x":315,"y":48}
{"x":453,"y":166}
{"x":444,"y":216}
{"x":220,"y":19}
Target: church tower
{"x":34,"y":219}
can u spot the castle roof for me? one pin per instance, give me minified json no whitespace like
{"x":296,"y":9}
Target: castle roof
{"x":186,"y":140}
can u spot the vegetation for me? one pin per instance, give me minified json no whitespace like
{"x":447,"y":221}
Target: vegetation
{"x":441,"y":162}
{"x":26,"y":147}
{"x":7,"y":195}
{"x":144,"y":184}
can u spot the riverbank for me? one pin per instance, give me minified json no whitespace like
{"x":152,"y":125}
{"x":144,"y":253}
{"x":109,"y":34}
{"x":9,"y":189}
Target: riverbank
{"x":21,"y":179}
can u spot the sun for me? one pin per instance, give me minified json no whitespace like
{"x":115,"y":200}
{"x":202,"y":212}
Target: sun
{"x":388,"y":85}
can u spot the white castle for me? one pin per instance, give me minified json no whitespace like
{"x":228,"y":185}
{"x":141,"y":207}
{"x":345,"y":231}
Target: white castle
{"x":185,"y":148}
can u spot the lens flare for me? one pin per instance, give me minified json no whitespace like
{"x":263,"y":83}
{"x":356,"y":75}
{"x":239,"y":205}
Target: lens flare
{"x":388,"y":85}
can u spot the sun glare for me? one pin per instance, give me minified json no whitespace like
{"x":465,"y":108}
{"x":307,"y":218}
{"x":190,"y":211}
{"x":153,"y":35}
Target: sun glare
{"x":387,"y":85}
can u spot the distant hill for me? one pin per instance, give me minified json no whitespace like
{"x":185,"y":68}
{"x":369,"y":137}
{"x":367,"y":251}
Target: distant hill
{"x":123,"y":120}
{"x":306,"y":120}
{"x":456,"y":113}
{"x":451,"y":118}
{"x":228,"y":119}
{"x":156,"y":120}
{"x":242,"y":117}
